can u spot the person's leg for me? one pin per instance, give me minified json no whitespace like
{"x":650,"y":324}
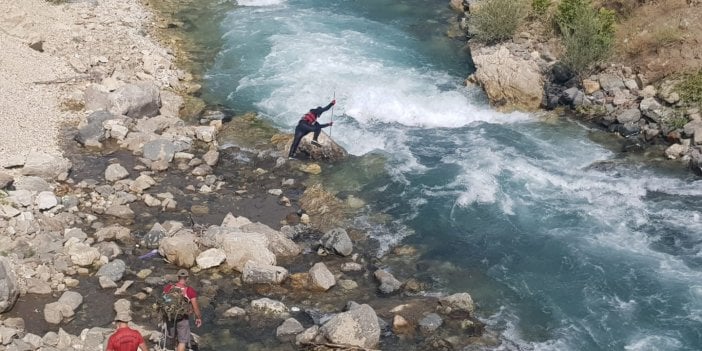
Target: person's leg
{"x":183,"y":330}
{"x":317,"y":130}
{"x":300,"y":131}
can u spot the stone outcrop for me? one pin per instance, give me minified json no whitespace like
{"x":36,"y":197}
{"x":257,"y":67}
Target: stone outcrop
{"x":511,"y":83}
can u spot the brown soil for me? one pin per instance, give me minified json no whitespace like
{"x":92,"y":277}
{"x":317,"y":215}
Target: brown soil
{"x":661,"y":38}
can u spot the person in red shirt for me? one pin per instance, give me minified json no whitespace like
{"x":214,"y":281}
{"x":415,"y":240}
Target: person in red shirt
{"x":125,"y":338}
{"x":182,"y":324}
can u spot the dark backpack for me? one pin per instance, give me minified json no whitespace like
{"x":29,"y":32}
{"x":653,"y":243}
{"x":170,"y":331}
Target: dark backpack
{"x":174,"y":304}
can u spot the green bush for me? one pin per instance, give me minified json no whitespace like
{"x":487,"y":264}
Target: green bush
{"x":588,"y":34}
{"x":690,"y":89}
{"x":540,"y":7}
{"x":497,"y":20}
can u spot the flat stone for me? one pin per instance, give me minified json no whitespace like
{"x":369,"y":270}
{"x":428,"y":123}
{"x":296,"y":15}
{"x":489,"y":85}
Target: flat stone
{"x":46,"y":200}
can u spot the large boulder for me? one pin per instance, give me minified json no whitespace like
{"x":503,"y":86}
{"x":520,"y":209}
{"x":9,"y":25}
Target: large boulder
{"x":357,"y":327}
{"x":138,"y":100}
{"x":511,"y":83}
{"x":328,"y":151}
{"x":337,"y":241}
{"x":45,"y":165}
{"x":9,"y":289}
{"x":457,"y":303}
{"x":210,"y":258}
{"x":255,"y":273}
{"x":180,"y":249}
{"x":91,"y":132}
{"x":278,"y":244}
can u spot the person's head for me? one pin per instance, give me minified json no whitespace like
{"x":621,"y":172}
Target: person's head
{"x":182,"y":274}
{"x":317,"y":110}
{"x":123,"y":317}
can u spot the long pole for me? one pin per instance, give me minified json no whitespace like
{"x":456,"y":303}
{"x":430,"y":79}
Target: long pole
{"x":332,"y":116}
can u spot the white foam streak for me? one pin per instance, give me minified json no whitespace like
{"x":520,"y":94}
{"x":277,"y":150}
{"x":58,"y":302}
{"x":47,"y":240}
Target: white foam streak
{"x":257,"y":3}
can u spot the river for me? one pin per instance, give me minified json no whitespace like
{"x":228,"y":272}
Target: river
{"x":564,"y":243}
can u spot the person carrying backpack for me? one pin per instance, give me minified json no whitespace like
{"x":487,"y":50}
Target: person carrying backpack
{"x":125,"y":338}
{"x":308,"y":124}
{"x":180,"y":302}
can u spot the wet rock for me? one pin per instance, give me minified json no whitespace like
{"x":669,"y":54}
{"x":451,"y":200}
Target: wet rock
{"x":180,"y":249}
{"x":113,"y":270}
{"x":351,"y":267}
{"x":37,"y":286}
{"x":210,"y":258}
{"x":676,"y":151}
{"x":268,"y":306}
{"x":65,"y":307}
{"x":91,"y":132}
{"x":307,"y":336}
{"x":120,"y":211}
{"x":9,"y":288}
{"x":357,"y":327}
{"x":347,"y":284}
{"x":46,"y":166}
{"x":205,"y":133}
{"x":320,"y":278}
{"x":159,"y":149}
{"x":255,"y":273}
{"x":401,"y":326}
{"x":289,"y":327}
{"x":201,"y":170}
{"x":142,"y":183}
{"x":696,"y":161}
{"x":151,"y":201}
{"x":234,"y":312}
{"x":211,"y":157}
{"x":323,"y":208}
{"x":430,"y":323}
{"x":109,"y":249}
{"x":113,"y":232}
{"x":337,"y":241}
{"x":115,"y":172}
{"x":107,"y":283}
{"x":561,"y":73}
{"x":388,"y":283}
{"x":329,"y":151}
{"x":460,"y":302}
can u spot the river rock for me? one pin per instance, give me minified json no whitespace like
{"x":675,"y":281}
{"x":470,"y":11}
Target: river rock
{"x":72,"y":299}
{"x":401,"y":326}
{"x":115,"y":172}
{"x":46,"y":200}
{"x":180,"y":249}
{"x":337,"y":241}
{"x":142,"y":183}
{"x":109,"y":249}
{"x":676,"y":151}
{"x":320,"y":278}
{"x":120,"y":211}
{"x":152,"y":239}
{"x":307,"y":336}
{"x":6,"y":180}
{"x":210,"y":258}
{"x":205,"y":133}
{"x":610,"y":82}
{"x":268,"y":306}
{"x":45,"y":166}
{"x":351,"y":267}
{"x":653,"y":110}
{"x":357,"y":327}
{"x":255,"y":273}
{"x":329,"y":151}
{"x":242,"y":247}
{"x":590,"y":86}
{"x":509,"y":81}
{"x":113,"y":270}
{"x":80,"y":253}
{"x":388,"y":283}
{"x":234,"y":312}
{"x":628,"y":116}
{"x":211,"y":157}
{"x":37,"y":286}
{"x":159,"y":149}
{"x":430,"y":323}
{"x":279,"y":244}
{"x":460,"y":302}
{"x":113,"y":232}
{"x":138,"y":100}
{"x":9,"y":289}
{"x":289,"y":327}
{"x":106,"y":283}
{"x":91,"y":132}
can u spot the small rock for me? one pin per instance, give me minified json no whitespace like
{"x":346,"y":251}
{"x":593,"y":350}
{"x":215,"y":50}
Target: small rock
{"x":320,"y":278}
{"x":46,"y":200}
{"x":430,"y":323}
{"x":388,"y":283}
{"x":234,"y":312}
{"x":107,"y":283}
{"x":289,"y":327}
{"x":115,"y":172}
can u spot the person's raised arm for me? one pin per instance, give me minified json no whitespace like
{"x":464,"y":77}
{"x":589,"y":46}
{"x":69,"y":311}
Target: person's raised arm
{"x":326,"y":108}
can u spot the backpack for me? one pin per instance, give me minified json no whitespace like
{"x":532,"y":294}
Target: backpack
{"x":174,"y":304}
{"x":309,"y":117}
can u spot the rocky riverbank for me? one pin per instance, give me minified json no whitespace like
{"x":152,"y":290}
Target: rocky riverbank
{"x":525,"y":74}
{"x":138,"y":192}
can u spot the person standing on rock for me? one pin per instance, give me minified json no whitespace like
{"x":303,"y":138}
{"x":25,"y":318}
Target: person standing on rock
{"x":178,"y":320}
{"x":308,"y":124}
{"x":125,"y":338}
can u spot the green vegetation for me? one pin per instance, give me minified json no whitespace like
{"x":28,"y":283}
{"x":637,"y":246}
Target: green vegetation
{"x":588,"y":34}
{"x":690,"y":89}
{"x":676,"y":121}
{"x":497,"y":20}
{"x":540,"y":7}
{"x":666,"y":36}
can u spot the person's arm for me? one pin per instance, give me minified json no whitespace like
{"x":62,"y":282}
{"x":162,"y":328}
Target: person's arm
{"x":196,"y":309}
{"x":142,"y":344}
{"x":326,"y":125}
{"x":326,"y":108}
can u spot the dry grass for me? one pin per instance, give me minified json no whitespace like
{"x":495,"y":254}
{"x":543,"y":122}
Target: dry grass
{"x":660,"y":38}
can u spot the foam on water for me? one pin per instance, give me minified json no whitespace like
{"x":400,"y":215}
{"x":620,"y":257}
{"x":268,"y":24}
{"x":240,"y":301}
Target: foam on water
{"x":259,"y":2}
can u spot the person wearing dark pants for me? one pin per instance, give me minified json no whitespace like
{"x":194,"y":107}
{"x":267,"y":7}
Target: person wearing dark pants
{"x":308,"y":124}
